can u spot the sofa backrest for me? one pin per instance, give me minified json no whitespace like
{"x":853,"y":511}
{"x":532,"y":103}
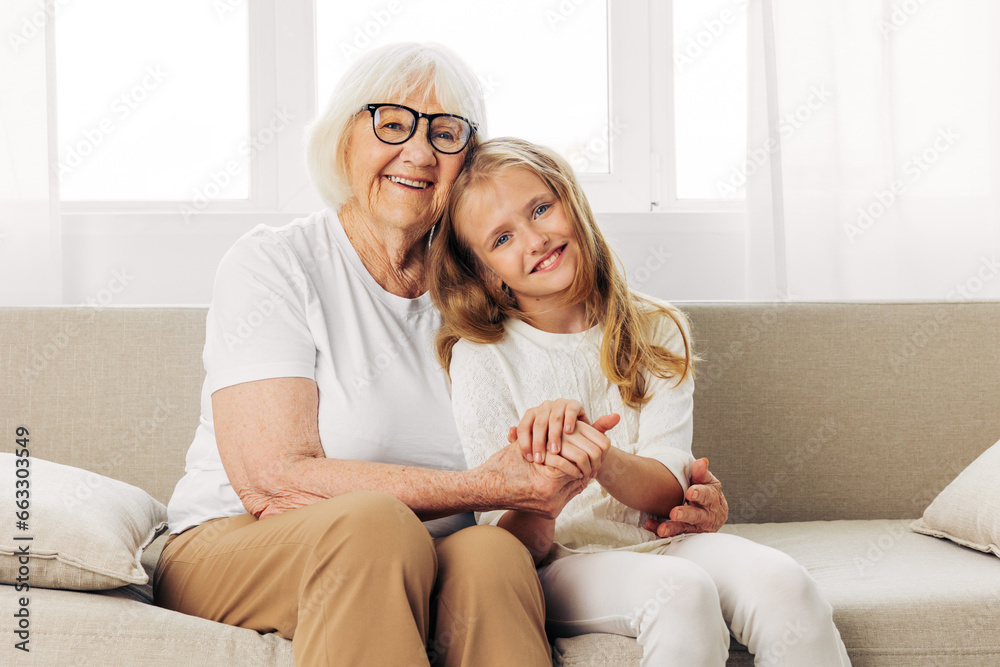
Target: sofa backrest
{"x":806,"y":411}
{"x":819,"y":411}
{"x":112,"y":390}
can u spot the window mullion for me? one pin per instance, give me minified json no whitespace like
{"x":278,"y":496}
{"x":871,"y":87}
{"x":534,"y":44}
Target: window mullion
{"x":627,"y":187}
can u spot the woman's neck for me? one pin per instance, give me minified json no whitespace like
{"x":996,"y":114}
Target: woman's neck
{"x":393,"y":256}
{"x":557,"y":319}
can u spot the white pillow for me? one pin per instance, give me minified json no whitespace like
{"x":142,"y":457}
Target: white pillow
{"x":967,"y":512}
{"x":88,"y":531}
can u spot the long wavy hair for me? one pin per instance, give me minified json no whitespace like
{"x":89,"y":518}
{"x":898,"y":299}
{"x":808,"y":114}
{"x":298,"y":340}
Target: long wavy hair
{"x":474,"y":303}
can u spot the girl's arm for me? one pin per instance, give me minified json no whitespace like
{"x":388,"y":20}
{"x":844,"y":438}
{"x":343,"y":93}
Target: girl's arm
{"x":655,"y":477}
{"x":640,"y":482}
{"x":536,"y":533}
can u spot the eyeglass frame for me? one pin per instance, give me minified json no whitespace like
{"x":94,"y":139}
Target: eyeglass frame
{"x":372,"y":108}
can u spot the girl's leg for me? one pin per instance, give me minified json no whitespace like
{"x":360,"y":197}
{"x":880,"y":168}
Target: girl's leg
{"x":668,"y":604}
{"x":771,"y":603}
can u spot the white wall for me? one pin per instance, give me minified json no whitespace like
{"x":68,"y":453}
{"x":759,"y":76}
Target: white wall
{"x":139,"y":259}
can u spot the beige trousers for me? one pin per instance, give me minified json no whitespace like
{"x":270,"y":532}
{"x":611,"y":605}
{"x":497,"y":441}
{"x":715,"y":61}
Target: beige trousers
{"x":357,"y":580}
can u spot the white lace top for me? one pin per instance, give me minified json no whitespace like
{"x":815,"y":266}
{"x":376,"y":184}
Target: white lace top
{"x":493,"y":385}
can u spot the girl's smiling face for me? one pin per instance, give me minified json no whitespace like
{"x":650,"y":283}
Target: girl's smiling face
{"x":518,"y":229}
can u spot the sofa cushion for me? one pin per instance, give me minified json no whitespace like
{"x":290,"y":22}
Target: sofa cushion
{"x":110,"y":628}
{"x":899,"y":598}
{"x":967,"y":512}
{"x":87,"y":531}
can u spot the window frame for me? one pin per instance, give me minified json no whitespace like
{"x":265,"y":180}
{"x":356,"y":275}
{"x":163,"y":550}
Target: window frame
{"x":282,"y":75}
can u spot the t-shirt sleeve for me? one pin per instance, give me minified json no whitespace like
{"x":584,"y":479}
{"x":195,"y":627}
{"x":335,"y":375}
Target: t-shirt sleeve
{"x":257,"y":326}
{"x":666,"y":422}
{"x":483,"y":405}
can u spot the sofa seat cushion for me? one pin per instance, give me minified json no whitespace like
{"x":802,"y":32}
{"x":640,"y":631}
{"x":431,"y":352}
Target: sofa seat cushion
{"x":899,"y":598}
{"x":112,"y":628}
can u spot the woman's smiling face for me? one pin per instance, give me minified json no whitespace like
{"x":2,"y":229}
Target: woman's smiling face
{"x":400,"y":185}
{"x":519,"y":231}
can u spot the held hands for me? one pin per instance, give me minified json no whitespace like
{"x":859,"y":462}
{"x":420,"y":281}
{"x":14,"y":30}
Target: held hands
{"x":533,"y":487}
{"x":706,"y":510}
{"x":545,"y":488}
{"x":557,"y":433}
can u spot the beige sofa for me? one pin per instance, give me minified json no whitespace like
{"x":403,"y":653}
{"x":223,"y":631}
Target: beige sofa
{"x":831,"y":425}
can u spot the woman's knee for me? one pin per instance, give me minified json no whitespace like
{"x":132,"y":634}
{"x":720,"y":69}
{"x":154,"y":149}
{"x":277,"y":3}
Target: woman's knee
{"x":372,"y":523}
{"x":485,"y":553}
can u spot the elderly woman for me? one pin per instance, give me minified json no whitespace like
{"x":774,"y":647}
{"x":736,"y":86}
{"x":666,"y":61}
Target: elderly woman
{"x":326,"y":495}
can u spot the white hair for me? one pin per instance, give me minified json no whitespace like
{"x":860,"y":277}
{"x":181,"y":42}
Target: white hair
{"x":390,"y":73}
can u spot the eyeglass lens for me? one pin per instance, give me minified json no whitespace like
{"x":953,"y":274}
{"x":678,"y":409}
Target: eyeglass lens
{"x":394,"y":125}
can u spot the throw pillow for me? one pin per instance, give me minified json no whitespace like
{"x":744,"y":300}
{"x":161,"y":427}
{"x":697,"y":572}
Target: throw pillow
{"x":967,"y":512}
{"x":87,"y":531}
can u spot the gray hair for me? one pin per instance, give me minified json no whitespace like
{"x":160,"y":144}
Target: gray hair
{"x":390,"y":73}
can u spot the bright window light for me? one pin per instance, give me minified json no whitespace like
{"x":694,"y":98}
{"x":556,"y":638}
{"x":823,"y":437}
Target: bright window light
{"x":544,"y":66}
{"x":153,"y":100}
{"x":710,"y":97}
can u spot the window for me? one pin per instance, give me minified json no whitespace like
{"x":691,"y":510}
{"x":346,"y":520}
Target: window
{"x":207,"y":114}
{"x":544,"y":70}
{"x":152,"y":100}
{"x":709,"y":91}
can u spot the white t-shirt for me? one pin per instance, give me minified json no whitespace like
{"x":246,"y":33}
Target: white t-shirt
{"x":296,"y":301}
{"x":493,"y":386}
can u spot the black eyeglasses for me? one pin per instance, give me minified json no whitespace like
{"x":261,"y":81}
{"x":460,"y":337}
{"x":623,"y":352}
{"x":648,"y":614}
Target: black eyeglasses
{"x":395,"y":124}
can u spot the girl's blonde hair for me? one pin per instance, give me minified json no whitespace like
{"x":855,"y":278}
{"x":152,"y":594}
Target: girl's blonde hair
{"x":390,"y":73}
{"x":474,"y":306}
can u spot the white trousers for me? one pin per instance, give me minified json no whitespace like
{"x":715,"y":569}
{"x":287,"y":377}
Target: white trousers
{"x":682,"y":601}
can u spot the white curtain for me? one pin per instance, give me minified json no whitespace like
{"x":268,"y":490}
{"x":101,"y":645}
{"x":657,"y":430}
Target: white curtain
{"x":30,"y":239}
{"x":876,"y":125}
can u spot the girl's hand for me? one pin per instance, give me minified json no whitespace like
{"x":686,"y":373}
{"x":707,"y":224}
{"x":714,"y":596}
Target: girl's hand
{"x":586,"y":448}
{"x":543,"y":427}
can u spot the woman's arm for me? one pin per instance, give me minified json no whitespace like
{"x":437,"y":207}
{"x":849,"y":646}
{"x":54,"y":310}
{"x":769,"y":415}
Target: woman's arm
{"x":268,"y":437}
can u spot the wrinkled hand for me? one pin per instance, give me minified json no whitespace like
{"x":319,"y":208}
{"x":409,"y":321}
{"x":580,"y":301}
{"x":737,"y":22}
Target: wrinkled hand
{"x":706,"y":510}
{"x":537,"y":488}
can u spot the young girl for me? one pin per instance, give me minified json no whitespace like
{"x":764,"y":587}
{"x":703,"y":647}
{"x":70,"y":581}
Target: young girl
{"x":541,"y":330}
